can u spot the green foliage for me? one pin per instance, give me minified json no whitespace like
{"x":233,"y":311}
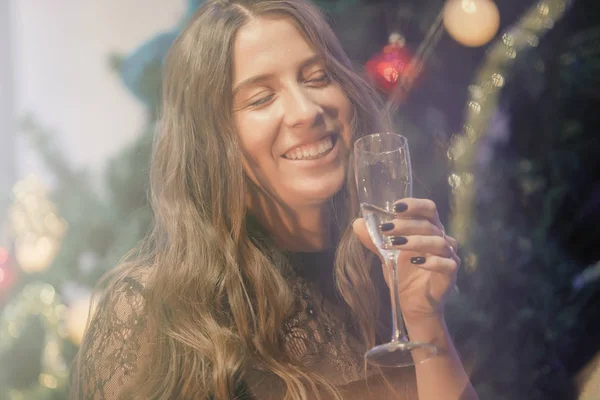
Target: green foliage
{"x":101,"y":228}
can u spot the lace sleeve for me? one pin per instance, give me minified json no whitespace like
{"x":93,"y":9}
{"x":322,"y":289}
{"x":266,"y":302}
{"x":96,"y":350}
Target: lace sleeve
{"x":116,"y":344}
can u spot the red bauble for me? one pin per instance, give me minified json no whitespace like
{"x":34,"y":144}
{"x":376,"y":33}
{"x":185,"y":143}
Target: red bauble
{"x":8,"y":274}
{"x":394,"y":66}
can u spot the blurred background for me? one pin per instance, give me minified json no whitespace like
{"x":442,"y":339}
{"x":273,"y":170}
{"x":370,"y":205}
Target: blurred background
{"x":79,"y":92}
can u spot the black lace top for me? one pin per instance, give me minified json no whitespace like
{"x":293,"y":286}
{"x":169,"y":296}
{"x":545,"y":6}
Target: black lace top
{"x":320,"y":334}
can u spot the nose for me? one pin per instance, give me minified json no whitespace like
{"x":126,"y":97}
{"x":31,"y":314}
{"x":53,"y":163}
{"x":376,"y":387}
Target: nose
{"x":300,"y":109}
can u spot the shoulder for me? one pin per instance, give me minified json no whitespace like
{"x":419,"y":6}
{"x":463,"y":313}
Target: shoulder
{"x":126,"y":287}
{"x":117,"y":342}
{"x":121,"y":305}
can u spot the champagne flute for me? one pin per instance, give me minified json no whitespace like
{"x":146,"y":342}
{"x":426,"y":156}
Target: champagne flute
{"x":384,"y":176}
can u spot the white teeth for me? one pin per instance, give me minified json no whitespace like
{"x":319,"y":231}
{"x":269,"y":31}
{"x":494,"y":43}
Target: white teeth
{"x":311,"y":151}
{"x":323,"y":147}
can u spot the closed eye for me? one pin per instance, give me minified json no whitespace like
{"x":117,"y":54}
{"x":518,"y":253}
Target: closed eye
{"x":322,"y":79}
{"x":261,"y":101}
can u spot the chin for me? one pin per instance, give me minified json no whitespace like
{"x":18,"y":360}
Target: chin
{"x":315,"y":192}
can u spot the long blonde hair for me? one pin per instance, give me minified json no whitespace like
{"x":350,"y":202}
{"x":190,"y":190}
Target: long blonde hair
{"x":217,"y":295}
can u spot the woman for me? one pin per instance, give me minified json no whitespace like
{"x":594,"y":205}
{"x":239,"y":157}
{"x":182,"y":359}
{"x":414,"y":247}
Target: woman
{"x":233,"y":294}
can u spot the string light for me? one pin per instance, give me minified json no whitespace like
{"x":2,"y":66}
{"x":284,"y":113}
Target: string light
{"x":472,"y":23}
{"x":501,"y":56}
{"x":37,"y":228}
{"x":37,"y":299}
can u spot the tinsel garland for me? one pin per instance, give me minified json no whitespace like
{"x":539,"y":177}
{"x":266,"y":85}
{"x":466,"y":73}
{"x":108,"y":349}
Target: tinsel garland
{"x":525,"y":169}
{"x":483,"y":102}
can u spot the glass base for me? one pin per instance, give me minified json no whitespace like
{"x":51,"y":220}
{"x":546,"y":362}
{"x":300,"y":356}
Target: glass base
{"x":400,"y":354}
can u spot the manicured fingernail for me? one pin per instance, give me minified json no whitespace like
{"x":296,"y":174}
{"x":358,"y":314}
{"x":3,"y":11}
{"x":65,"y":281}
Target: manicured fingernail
{"x":399,"y":240}
{"x":400,"y":207}
{"x":386,"y":227}
{"x":417,"y":260}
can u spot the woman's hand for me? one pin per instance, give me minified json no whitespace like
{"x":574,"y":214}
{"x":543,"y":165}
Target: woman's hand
{"x":427,"y":264}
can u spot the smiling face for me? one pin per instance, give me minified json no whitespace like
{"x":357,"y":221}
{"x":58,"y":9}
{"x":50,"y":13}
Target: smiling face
{"x":293,"y":121}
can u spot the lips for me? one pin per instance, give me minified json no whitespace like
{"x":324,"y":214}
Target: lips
{"x":312,"y":151}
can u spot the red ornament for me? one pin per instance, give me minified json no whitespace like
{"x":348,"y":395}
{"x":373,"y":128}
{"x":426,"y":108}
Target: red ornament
{"x":8,"y":274}
{"x":394,"y":65}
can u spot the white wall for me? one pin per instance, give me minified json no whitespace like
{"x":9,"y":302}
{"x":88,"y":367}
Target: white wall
{"x":62,"y":77}
{"x":7,"y":126}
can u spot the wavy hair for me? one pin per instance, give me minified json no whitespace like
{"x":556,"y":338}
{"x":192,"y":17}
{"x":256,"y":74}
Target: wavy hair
{"x":216,"y":293}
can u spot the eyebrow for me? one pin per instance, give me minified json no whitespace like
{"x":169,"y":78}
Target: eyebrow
{"x":264,"y":77}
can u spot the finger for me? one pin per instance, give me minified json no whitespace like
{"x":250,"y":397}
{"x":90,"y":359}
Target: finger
{"x":430,"y":262}
{"x":435,"y":245}
{"x":418,"y":208}
{"x":408,"y":227}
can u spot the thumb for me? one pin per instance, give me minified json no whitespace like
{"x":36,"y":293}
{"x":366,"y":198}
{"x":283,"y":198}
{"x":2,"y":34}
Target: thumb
{"x":360,"y":230}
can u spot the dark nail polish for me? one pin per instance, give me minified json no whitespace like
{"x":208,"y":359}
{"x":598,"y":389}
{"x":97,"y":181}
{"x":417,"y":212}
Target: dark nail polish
{"x":417,"y":260}
{"x":399,"y":240}
{"x":400,"y":207}
{"x":386,"y":227}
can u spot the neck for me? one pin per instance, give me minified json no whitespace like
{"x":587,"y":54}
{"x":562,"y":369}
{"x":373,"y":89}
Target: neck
{"x":307,"y":229}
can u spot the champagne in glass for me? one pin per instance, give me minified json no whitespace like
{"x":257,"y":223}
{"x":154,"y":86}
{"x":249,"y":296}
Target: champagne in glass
{"x":384,"y":176}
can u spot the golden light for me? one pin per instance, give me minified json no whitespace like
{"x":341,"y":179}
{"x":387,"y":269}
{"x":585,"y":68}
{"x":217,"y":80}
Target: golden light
{"x":35,"y":254}
{"x":76,"y":319}
{"x":37,"y":229}
{"x":472,"y":23}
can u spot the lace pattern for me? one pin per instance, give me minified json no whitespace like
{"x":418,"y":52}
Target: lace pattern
{"x":116,"y":343}
{"x":319,"y":336}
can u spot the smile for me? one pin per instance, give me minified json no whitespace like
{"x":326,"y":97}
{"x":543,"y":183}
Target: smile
{"x":312,"y":151}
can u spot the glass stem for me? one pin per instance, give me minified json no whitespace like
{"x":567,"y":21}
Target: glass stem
{"x":399,"y":333}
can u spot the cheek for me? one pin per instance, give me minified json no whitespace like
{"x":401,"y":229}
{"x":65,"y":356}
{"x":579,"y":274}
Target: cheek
{"x":346,"y":116}
{"x":257,"y":137}
{"x":344,"y":109}
{"x":254,"y":134}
